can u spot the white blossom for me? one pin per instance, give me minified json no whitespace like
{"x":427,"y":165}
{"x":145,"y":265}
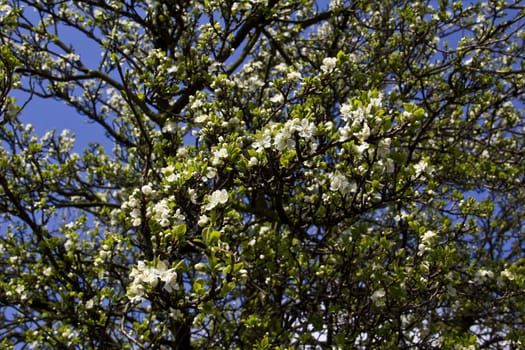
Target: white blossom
{"x":339,"y":183}
{"x":216,"y":198}
{"x":192,"y":195}
{"x":67,"y":140}
{"x":364,"y":133}
{"x":136,"y":217}
{"x":378,"y":296}
{"x":170,"y":128}
{"x":146,"y":190}
{"x":304,"y":128}
{"x":420,"y":168}
{"x":329,"y":64}
{"x":210,"y":174}
{"x":482,"y":275}
{"x":426,"y":241}
{"x":507,"y":274}
{"x":69,"y":245}
{"x":144,"y":277}
{"x":278,"y":98}
{"x":360,"y":149}
{"x":263,"y":141}
{"x":162,"y":212}
{"x":383,"y":146}
{"x":168,"y":276}
{"x":346,"y":111}
{"x":293,"y":75}
{"x":284,"y":140}
{"x":219,"y":155}
{"x":203,"y":220}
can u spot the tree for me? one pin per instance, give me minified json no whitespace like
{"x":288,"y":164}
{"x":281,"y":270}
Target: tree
{"x":284,"y":174}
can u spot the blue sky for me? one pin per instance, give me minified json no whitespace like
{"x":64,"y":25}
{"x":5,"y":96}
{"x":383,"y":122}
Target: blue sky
{"x":48,"y":114}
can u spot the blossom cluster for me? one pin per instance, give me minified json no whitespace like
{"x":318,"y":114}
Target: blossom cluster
{"x":146,"y":276}
{"x":282,"y":136}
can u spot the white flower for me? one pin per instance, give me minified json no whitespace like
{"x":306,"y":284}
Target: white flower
{"x":182,"y":152}
{"x":364,"y":133}
{"x":162,"y":212}
{"x":135,"y":292}
{"x":482,"y":275}
{"x":263,"y":141}
{"x":339,"y":183}
{"x":277,"y":98}
{"x":201,"y":119}
{"x":376,"y":101}
{"x":304,"y":128}
{"x":378,"y":295}
{"x":170,"y":128}
{"x":284,"y":140}
{"x":203,"y":220}
{"x":192,"y":195}
{"x":294,"y":75}
{"x":170,"y":281}
{"x":168,"y":276}
{"x":211,"y":173}
{"x":136,"y":217}
{"x":426,"y":242}
{"x":20,"y":289}
{"x":361,"y":148}
{"x":383,"y":146}
{"x":172,"y":178}
{"x":329,"y":64}
{"x":67,"y":141}
{"x":428,"y":236}
{"x":5,"y":9}
{"x":179,"y":217}
{"x":421,"y":167}
{"x":69,"y":245}
{"x":346,"y":111}
{"x":149,"y":275}
{"x":507,"y":274}
{"x":145,"y":277}
{"x":216,"y":198}
{"x":146,"y":190}
{"x":219,"y":155}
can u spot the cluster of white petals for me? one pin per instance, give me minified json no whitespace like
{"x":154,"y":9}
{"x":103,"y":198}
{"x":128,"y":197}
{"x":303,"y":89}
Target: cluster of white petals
{"x":132,"y":205}
{"x":340,"y":183}
{"x":329,"y":64}
{"x":162,"y":212}
{"x":284,"y":136}
{"x":378,"y":296}
{"x":219,"y":155}
{"x":482,"y":275}
{"x":67,"y":141}
{"x":425,"y":243}
{"x":216,"y":198}
{"x":144,"y":277}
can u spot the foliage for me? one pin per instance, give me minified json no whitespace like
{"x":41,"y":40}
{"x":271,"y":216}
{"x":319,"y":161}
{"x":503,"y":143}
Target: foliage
{"x":284,"y":174}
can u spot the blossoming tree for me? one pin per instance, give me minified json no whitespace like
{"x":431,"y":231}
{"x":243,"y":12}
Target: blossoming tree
{"x":274,"y":174}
